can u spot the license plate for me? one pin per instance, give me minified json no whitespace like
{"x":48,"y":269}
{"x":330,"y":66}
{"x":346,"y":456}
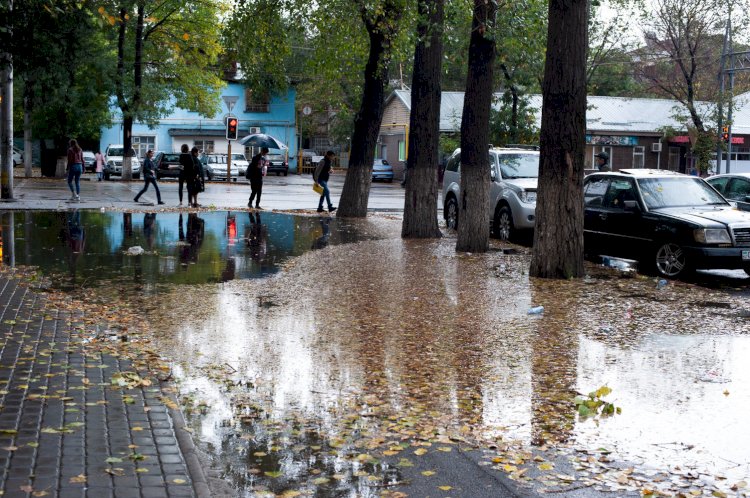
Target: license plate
{"x":745,"y":255}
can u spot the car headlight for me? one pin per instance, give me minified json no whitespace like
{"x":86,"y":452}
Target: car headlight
{"x":712,"y":236}
{"x":529,"y":197}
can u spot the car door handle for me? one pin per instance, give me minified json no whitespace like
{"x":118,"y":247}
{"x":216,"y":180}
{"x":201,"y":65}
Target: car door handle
{"x":602,"y":216}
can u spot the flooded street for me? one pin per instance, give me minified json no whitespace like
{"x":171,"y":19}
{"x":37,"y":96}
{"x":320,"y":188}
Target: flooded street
{"x":325,"y":357}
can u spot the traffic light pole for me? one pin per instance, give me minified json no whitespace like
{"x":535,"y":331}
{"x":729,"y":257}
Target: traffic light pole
{"x":229,"y":160}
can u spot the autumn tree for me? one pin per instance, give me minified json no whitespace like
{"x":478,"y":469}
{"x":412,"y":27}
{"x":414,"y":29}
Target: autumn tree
{"x":680,"y":60}
{"x":474,"y":194}
{"x":58,"y":61}
{"x":558,"y":234}
{"x":424,"y":125}
{"x":165,"y":53}
{"x":381,"y":21}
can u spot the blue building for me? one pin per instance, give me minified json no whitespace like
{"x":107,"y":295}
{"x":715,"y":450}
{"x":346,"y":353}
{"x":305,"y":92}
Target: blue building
{"x":270,"y":114}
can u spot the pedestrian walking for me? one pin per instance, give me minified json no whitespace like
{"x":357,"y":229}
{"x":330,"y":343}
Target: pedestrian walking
{"x":194,"y":178}
{"x":99,"y":161}
{"x":255,"y":172}
{"x":321,"y":176}
{"x":186,"y":163}
{"x":75,"y":169}
{"x":149,"y":177}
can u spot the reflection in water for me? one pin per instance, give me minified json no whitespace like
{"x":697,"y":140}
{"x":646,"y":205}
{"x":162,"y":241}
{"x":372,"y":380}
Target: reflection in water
{"x":322,"y":241}
{"x":415,"y":353}
{"x":186,"y":248}
{"x":554,"y":362}
{"x":7,"y":238}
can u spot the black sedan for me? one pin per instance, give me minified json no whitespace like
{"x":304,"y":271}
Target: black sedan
{"x":733,"y":186}
{"x":669,"y":222}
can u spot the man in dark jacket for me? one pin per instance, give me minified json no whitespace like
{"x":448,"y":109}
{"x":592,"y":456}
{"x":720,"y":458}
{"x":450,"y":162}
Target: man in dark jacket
{"x":149,"y":177}
{"x":255,"y":175}
{"x":322,"y":174}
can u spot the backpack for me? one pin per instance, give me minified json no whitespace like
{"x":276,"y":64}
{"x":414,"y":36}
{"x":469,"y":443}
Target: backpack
{"x":318,"y":169}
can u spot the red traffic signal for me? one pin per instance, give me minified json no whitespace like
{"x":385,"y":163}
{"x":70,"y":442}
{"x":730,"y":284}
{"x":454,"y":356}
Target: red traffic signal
{"x":725,"y":134}
{"x":232,"y":128}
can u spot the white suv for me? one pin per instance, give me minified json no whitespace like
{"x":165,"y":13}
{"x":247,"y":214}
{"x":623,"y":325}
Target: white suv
{"x":514,"y":173}
{"x":113,"y":157}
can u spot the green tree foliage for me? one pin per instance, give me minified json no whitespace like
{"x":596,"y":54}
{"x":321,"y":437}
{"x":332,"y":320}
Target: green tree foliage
{"x":58,"y":68}
{"x":180,"y":45}
{"x":505,"y":128}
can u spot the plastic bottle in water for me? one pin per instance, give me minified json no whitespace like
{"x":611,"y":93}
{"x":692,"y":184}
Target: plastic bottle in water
{"x":536,"y":310}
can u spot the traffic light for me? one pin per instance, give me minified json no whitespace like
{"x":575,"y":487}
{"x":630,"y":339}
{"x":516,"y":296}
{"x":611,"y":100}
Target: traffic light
{"x":725,"y":134}
{"x":232,"y":128}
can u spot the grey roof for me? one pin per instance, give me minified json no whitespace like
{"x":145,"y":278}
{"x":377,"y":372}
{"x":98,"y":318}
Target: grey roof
{"x":604,"y":114}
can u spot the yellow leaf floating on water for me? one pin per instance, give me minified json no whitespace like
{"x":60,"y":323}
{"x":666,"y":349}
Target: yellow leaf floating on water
{"x":179,"y":481}
{"x":321,"y":480}
{"x":445,"y":488}
{"x":546,"y":466}
{"x":390,"y":453}
{"x":428,"y":473}
{"x":420,"y":451}
{"x":79,"y":479}
{"x":260,"y":453}
{"x":445,"y":449}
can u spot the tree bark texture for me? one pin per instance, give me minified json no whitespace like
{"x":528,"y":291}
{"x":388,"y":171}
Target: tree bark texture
{"x":474,"y":196}
{"x":420,"y":218}
{"x":356,"y":191}
{"x":127,"y":165}
{"x":558,"y":235}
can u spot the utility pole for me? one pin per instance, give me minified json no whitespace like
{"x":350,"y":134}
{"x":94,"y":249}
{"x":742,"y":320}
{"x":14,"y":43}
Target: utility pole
{"x":6,"y":119}
{"x":720,"y":123}
{"x":731,"y":91}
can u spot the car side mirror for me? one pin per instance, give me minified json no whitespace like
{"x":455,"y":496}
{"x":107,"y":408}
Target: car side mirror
{"x":493,"y":177}
{"x":631,"y":205}
{"x":747,"y":198}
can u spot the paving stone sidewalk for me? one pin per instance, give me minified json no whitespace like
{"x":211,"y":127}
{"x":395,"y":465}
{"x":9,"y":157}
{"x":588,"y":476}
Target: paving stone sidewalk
{"x":65,"y":430}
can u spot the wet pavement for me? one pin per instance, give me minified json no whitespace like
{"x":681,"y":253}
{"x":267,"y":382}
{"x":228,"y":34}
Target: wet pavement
{"x":322,"y":357}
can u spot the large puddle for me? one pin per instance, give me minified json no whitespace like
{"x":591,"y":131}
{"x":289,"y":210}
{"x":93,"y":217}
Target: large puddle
{"x":333,"y":376}
{"x":94,"y":248}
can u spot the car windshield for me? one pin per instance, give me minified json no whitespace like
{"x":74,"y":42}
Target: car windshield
{"x":381,"y":165}
{"x":519,"y":165}
{"x":118,"y":151}
{"x":678,"y":191}
{"x":238,"y":157}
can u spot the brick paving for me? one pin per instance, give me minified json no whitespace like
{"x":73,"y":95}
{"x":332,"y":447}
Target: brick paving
{"x":65,"y":430}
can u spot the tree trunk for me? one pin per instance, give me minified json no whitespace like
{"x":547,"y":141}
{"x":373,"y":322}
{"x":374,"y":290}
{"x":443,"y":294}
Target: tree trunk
{"x":127,"y":119}
{"x":474,"y":198}
{"x":356,"y":191}
{"x":558,"y":235}
{"x":420,"y":217}
{"x":127,"y":166}
{"x":28,"y":146}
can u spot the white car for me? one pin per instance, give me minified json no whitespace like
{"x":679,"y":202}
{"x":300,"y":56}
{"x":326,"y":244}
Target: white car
{"x":216,"y":167}
{"x":241,"y":162}
{"x":89,"y":161}
{"x":113,"y":157}
{"x":514,"y":173}
{"x":17,"y":157}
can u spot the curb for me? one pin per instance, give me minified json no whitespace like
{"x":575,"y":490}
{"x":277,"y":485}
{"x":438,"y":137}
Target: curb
{"x":187,"y":448}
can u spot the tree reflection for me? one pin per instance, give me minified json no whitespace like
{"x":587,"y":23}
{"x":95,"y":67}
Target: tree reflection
{"x":554,"y":363}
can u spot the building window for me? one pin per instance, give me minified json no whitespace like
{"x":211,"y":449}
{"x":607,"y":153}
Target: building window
{"x":257,"y":102}
{"x":401,"y":150}
{"x":206,"y":146}
{"x":638,"y":156}
{"x":142,"y":144}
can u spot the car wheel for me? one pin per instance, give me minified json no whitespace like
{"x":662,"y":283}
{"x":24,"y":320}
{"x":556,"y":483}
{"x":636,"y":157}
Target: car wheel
{"x":137,"y":176}
{"x":451,"y":214}
{"x":390,"y":180}
{"x":286,"y":173}
{"x":106,"y":176}
{"x":670,"y":260}
{"x":502,"y":224}
{"x":278,"y":173}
